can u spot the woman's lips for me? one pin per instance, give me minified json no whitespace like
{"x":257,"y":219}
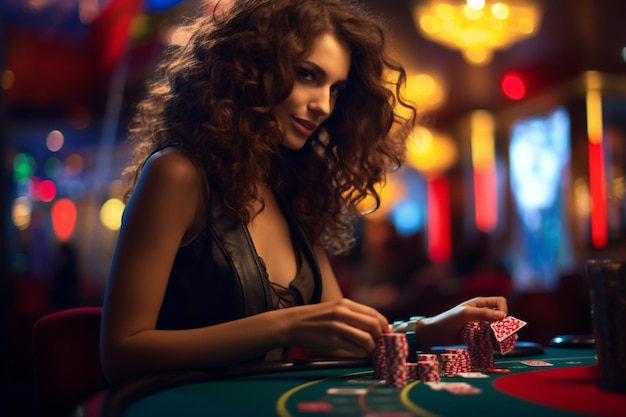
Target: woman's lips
{"x":304,"y":127}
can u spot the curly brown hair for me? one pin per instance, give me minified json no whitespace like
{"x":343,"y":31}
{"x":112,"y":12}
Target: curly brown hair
{"x":214,"y":95}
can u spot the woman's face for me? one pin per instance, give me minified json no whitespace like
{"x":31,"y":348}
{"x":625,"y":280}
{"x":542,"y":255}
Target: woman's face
{"x":320,"y":77}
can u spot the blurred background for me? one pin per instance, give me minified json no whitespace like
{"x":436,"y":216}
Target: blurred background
{"x":514,"y":177}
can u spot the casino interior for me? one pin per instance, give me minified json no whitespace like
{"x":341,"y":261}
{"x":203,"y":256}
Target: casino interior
{"x":514,"y":177}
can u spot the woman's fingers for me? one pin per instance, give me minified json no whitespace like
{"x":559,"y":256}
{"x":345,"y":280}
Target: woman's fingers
{"x":482,"y":313}
{"x":496,"y":302}
{"x":364,"y":317}
{"x":342,"y":324}
{"x":486,"y":308}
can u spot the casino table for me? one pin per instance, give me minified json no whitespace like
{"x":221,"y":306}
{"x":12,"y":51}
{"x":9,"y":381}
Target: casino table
{"x":557,"y":382}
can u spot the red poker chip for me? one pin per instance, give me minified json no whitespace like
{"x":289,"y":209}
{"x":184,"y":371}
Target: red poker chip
{"x":314,"y":407}
{"x":496,"y":371}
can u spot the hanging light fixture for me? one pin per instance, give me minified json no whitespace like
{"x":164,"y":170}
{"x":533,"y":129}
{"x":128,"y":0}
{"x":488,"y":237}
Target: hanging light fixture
{"x":477,"y":27}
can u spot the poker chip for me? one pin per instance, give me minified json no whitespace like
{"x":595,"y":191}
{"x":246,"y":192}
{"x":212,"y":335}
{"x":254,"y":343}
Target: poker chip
{"x":427,"y":357}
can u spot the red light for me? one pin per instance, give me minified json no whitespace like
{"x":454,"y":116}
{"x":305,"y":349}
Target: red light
{"x":486,"y":198}
{"x":63,"y":218}
{"x":439,"y":239}
{"x":513,"y":86}
{"x":47,"y":191}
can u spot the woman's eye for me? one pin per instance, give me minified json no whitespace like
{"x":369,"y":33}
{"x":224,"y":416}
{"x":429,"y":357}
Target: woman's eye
{"x":305,"y":74}
{"x":335,"y":90}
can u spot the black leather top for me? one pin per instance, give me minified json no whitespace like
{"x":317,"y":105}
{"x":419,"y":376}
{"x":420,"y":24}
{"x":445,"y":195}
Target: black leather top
{"x":219,"y":277}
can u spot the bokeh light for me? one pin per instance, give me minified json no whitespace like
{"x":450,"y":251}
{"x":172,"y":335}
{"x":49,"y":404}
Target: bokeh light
{"x":42,"y":190}
{"x":55,"y":140}
{"x":63,"y":214}
{"x":513,"y":86}
{"x":74,"y":164}
{"x":53,"y":167}
{"x":47,"y":190}
{"x":21,"y":212}
{"x":111,"y":213}
{"x":8,"y":78}
{"x":24,"y":167}
{"x":428,"y":152}
{"x":408,"y":217}
{"x":160,"y":5}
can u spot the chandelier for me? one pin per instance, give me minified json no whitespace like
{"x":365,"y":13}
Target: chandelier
{"x":477,"y":27}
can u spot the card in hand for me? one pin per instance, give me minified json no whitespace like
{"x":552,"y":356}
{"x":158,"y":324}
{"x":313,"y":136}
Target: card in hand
{"x":506,"y":327}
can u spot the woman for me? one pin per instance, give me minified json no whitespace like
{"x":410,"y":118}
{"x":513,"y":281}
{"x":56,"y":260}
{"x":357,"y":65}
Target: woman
{"x":255,"y":145}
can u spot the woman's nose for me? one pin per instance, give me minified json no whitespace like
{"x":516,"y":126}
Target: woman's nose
{"x":321,"y":102}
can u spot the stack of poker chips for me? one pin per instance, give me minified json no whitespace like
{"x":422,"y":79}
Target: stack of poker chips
{"x":455,"y":361}
{"x":380,"y":359}
{"x":428,"y":371}
{"x":477,"y":336}
{"x":411,"y":371}
{"x":390,"y":362}
{"x":449,"y":364}
{"x":396,"y":353}
{"x":428,"y":367}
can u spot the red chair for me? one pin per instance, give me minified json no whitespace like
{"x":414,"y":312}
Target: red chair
{"x":66,"y":349}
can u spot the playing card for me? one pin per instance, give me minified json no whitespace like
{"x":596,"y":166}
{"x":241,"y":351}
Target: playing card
{"x":346,"y":391}
{"x":437,"y":386}
{"x":537,"y":363}
{"x":506,"y":345}
{"x":462,"y":388}
{"x":472,"y":375}
{"x":506,"y":327}
{"x":456,"y":387}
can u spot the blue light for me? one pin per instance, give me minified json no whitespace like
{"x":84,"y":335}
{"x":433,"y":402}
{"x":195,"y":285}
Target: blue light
{"x":161,"y":5}
{"x":408,"y":217}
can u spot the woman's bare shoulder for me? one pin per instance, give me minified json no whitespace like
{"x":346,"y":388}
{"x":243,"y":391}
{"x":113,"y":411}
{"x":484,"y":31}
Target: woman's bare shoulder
{"x":172,"y":166}
{"x":169,"y":191}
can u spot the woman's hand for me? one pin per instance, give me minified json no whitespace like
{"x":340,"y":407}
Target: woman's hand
{"x":447,"y":328}
{"x":340,"y":325}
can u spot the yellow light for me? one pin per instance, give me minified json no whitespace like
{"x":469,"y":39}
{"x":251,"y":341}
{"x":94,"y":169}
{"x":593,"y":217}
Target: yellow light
{"x":477,"y":28}
{"x":111,"y":213}
{"x":430,"y":153}
{"x":500,"y":11}
{"x":471,"y":13}
{"x":594,"y":106}
{"x":482,"y":139}
{"x":21,"y":213}
{"x":390,"y":193}
{"x":582,"y":198}
{"x":426,"y":91}
{"x":476,"y":4}
{"x":444,"y":11}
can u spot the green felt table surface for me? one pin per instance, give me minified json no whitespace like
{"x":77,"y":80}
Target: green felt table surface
{"x":350,"y":391}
